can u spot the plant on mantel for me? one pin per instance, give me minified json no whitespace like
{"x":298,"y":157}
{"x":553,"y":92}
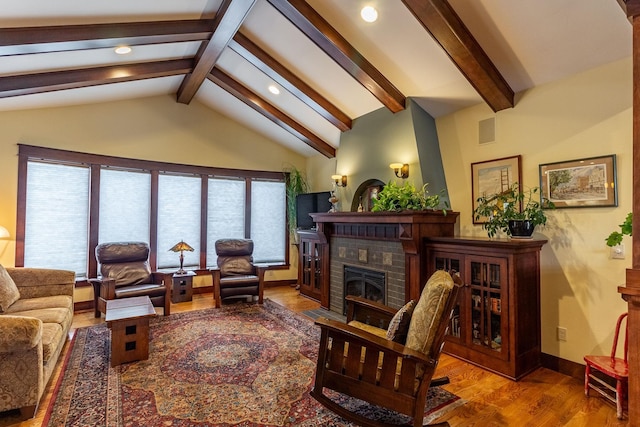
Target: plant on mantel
{"x":626,"y":228}
{"x":511,"y":208}
{"x":394,"y":197}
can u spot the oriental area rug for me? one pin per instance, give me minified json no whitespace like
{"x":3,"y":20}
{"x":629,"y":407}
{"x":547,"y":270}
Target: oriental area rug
{"x":241,"y":365}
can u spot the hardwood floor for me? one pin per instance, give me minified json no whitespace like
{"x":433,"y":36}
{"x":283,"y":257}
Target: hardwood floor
{"x":543,"y":398}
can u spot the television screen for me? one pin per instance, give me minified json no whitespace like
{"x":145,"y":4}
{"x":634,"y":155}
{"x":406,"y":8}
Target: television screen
{"x":311,"y":203}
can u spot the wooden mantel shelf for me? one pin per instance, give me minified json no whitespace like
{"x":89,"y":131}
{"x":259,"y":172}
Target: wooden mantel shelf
{"x":406,"y":226}
{"x":408,"y":217}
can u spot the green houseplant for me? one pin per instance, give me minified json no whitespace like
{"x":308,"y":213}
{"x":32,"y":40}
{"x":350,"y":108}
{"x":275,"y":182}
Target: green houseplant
{"x":394,"y":197}
{"x":296,"y":183}
{"x":513,"y":211}
{"x":615,"y":238}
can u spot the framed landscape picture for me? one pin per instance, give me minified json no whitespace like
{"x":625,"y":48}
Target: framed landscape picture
{"x":492,"y":177}
{"x":581,"y":183}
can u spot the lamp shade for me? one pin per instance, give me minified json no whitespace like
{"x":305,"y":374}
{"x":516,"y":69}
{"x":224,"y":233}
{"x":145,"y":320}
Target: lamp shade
{"x":4,"y":233}
{"x":181,"y":246}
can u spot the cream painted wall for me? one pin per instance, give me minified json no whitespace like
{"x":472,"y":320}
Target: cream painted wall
{"x":155,"y":128}
{"x":586,"y":115}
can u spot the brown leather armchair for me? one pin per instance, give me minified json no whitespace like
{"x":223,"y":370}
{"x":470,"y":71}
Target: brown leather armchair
{"x":125,"y":272}
{"x":236,"y":275}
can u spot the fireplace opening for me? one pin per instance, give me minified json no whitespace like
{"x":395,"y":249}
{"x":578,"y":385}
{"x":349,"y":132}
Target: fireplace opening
{"x":365,"y":283}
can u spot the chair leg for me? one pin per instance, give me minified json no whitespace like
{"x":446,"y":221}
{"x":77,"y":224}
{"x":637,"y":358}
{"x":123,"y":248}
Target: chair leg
{"x":619,"y":398}
{"x":587,"y":373}
{"x":437,"y":382}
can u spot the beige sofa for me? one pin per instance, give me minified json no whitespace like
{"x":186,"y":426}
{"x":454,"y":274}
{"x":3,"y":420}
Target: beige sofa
{"x":36,"y":311}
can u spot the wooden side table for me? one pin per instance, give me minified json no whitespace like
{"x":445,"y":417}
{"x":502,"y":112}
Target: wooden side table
{"x":182,"y":287}
{"x":128,"y":319}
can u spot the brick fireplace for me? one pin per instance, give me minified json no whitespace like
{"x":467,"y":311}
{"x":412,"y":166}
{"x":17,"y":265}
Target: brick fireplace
{"x":390,"y":243}
{"x":376,"y":256}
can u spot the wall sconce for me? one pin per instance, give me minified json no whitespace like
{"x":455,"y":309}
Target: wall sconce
{"x":401,"y":170}
{"x":4,"y":233}
{"x":340,"y":180}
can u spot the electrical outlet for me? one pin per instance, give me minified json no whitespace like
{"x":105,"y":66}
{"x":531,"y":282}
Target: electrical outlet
{"x":617,"y":251}
{"x":562,"y":333}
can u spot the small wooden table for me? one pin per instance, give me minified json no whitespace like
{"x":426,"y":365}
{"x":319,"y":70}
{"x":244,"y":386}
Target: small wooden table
{"x":128,"y":319}
{"x":182,"y":287}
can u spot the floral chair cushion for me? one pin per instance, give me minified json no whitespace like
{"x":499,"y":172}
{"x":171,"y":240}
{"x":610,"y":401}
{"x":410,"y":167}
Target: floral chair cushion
{"x":429,"y":308}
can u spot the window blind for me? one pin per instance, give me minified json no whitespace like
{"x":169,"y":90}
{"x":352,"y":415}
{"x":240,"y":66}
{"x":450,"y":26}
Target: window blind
{"x":268,"y":223}
{"x":125,"y":206}
{"x":57,"y":217}
{"x":178,"y":219}
{"x":225,"y":214}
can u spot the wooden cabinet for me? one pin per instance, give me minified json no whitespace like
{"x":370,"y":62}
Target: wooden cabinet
{"x":313,"y":266}
{"x":496,"y":324}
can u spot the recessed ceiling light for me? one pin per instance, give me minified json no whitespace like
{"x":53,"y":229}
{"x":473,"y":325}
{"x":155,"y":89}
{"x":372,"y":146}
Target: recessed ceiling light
{"x":123,"y":50}
{"x":274,"y":89}
{"x":369,"y":14}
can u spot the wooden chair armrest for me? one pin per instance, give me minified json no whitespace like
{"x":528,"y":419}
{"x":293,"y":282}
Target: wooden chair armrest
{"x":369,"y":340}
{"x":368,"y":311}
{"x":158,"y":277}
{"x":108,"y":289}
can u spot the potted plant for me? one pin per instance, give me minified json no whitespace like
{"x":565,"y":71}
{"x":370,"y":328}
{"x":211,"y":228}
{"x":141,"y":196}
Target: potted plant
{"x":296,"y":183}
{"x":615,"y":238}
{"x":394,"y":197}
{"x":513,"y":211}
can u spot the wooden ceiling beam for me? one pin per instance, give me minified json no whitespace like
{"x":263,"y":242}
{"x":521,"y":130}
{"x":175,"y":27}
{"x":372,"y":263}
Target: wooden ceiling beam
{"x":24,"y":84}
{"x":285,"y":78}
{"x":269,"y":111}
{"x":446,"y":27}
{"x":27,"y":40}
{"x":231,"y":14}
{"x":307,"y":20}
{"x":631,"y":8}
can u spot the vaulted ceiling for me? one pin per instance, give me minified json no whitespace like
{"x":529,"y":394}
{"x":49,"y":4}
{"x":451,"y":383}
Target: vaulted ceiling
{"x":331,"y":67}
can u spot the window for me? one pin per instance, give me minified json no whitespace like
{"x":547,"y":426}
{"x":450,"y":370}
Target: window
{"x":178,"y":219}
{"x":56,"y":220}
{"x":225,"y":214}
{"x":268,"y":200}
{"x":137,"y":200}
{"x":125,"y":206}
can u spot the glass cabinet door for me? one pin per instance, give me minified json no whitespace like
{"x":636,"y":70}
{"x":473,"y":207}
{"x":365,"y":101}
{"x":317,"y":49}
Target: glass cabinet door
{"x":311,"y":263}
{"x":448,"y":262}
{"x":488,"y":291}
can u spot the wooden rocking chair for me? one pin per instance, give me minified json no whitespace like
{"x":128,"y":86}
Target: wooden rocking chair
{"x":367,"y":366}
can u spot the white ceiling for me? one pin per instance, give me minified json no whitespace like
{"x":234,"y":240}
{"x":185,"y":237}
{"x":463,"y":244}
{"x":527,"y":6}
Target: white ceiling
{"x":531,"y":42}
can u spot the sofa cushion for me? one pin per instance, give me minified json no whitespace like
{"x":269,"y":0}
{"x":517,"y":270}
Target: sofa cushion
{"x":51,"y":339}
{"x":56,"y":301}
{"x":61,"y":316}
{"x":9,"y":292}
{"x":399,"y":324}
{"x":428,"y":310}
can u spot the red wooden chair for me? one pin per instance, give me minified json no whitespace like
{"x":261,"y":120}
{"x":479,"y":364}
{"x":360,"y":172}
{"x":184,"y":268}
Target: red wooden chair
{"x":613,"y":367}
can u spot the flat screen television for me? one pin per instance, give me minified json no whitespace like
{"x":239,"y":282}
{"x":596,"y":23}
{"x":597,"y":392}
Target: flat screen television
{"x":311,"y":203}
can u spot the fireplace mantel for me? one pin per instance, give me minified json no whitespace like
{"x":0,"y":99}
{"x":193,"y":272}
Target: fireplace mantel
{"x":407,"y":227}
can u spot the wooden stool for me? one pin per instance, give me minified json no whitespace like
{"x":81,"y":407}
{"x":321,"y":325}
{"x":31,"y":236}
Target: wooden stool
{"x":128,"y":319}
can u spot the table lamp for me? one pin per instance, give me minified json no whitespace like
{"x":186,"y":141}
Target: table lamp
{"x":181,"y":247}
